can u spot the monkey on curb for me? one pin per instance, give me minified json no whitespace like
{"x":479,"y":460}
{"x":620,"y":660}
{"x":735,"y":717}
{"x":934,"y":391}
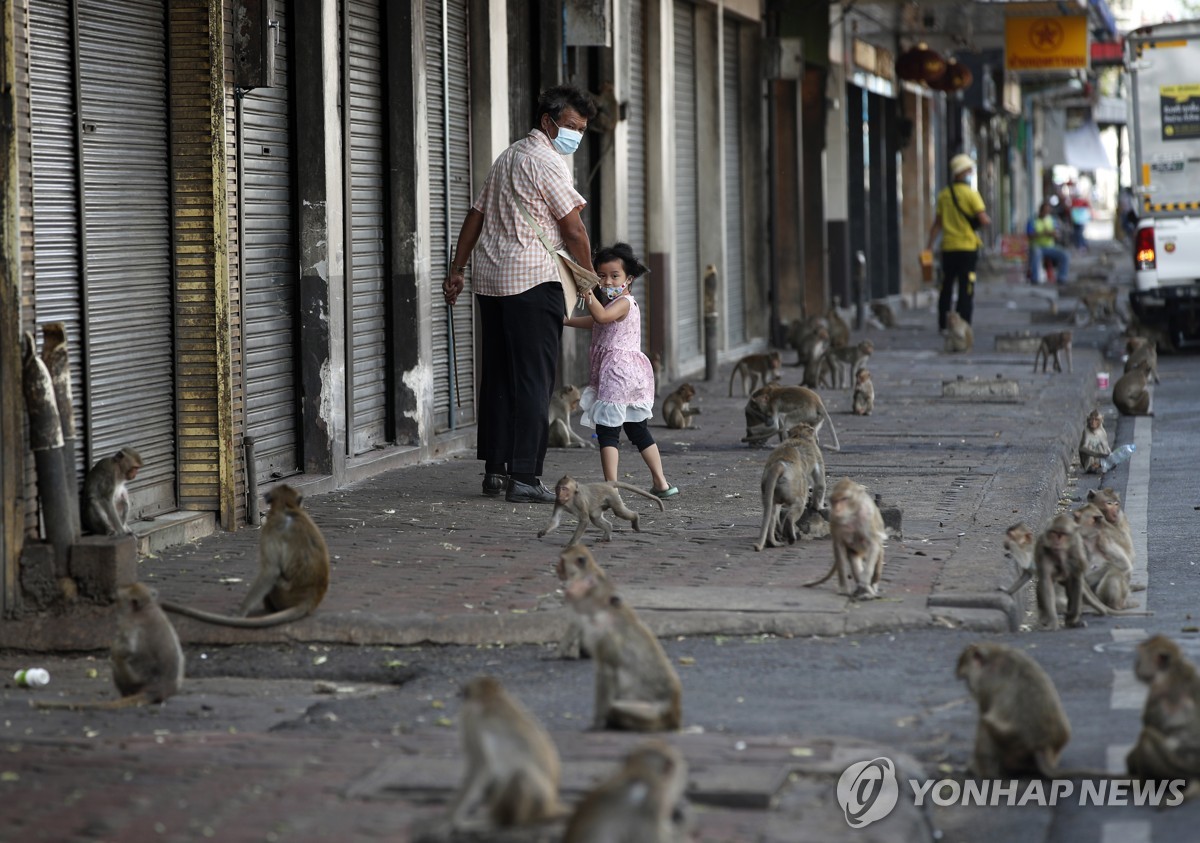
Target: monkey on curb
{"x":512,"y":766}
{"x":1169,"y":744}
{"x":1111,"y":569}
{"x":677,"y":410}
{"x":1055,"y":344}
{"x":773,"y":410}
{"x":756,"y":370}
{"x":105,"y":494}
{"x":847,"y":360}
{"x":1109,"y":503}
{"x":959,"y":334}
{"x":856,"y":527}
{"x":575,"y":563}
{"x":1093,"y":444}
{"x":561,"y":435}
{"x":863,"y":401}
{"x":293,"y":568}
{"x":147,"y":661}
{"x":642,"y":801}
{"x":637,"y":689}
{"x":1131,"y":395}
{"x":1142,"y":350}
{"x":588,"y":501}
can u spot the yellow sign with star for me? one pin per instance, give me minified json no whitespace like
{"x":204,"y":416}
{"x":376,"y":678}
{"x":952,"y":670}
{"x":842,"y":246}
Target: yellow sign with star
{"x":1059,"y":43}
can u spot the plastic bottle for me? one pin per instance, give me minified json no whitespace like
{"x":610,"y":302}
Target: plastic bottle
{"x":33,"y":677}
{"x":1117,"y":457}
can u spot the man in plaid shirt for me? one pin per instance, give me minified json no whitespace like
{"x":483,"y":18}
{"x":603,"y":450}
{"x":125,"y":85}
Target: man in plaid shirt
{"x":518,"y":292}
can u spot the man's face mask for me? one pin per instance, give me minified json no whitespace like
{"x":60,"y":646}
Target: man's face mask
{"x":567,"y":140}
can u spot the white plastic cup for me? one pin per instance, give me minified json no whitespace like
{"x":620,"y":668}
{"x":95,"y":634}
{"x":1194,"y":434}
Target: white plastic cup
{"x":33,"y":677}
{"x":1101,"y":380}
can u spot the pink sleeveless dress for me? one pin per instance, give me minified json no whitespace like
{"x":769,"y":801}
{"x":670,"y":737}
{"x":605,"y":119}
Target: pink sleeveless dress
{"x":621,"y":382}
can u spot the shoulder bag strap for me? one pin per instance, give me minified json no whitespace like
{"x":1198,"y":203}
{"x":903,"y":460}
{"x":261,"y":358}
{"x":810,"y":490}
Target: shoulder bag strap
{"x":529,"y":217}
{"x":954,"y":199}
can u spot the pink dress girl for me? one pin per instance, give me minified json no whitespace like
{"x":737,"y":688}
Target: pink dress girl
{"x":621,"y":380}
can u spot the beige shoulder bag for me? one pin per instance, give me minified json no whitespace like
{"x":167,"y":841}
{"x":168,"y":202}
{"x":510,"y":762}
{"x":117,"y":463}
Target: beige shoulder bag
{"x":575,"y":280}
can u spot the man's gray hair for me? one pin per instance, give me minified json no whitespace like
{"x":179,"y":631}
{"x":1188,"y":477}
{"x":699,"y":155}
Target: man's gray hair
{"x":554,"y":100}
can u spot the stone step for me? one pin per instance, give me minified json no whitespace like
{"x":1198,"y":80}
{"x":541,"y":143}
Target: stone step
{"x":172,"y":528}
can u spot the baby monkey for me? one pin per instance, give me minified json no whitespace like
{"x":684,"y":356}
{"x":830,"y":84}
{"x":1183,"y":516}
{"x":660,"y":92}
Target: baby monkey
{"x":588,"y":501}
{"x":864,"y":394}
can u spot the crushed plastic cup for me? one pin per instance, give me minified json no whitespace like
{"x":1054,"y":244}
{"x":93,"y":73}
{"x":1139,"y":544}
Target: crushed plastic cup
{"x":1101,"y":380}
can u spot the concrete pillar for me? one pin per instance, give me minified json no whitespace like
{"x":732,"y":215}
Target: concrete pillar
{"x":914,"y":219}
{"x":710,"y":160}
{"x":489,"y":85}
{"x":660,"y":188}
{"x":837,"y":187}
{"x":12,"y":455}
{"x":754,"y":185}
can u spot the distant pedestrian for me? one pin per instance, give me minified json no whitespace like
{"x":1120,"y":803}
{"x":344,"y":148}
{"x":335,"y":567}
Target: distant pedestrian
{"x":1081,"y":215}
{"x":1044,"y":236}
{"x":960,"y":211}
{"x":620,"y":390}
{"x":518,"y":292}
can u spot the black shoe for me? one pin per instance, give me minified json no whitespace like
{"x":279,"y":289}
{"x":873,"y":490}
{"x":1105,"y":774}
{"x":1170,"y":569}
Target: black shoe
{"x":519,"y":492}
{"x":494,"y":484}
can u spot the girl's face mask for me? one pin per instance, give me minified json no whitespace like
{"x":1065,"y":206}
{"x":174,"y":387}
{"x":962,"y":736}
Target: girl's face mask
{"x":611,"y":293}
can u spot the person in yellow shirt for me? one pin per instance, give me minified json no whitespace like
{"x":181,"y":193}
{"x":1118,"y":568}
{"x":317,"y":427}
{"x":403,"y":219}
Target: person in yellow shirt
{"x":1043,"y":245}
{"x":957,"y":205}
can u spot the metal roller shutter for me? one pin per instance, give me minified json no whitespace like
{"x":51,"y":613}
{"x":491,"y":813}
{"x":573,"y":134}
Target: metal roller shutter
{"x":448,"y":94}
{"x":367,"y":323}
{"x":123,"y":90}
{"x":735,"y":281}
{"x":56,"y":189}
{"x":269,"y":262}
{"x":635,"y":133}
{"x":688,"y":296}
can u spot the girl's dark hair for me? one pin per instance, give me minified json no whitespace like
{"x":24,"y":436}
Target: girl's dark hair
{"x":622,"y":252}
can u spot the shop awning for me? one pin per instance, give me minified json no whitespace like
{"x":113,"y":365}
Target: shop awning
{"x":1084,"y":151}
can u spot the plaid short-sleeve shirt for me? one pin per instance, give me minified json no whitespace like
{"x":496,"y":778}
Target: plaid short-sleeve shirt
{"x":509,"y":258}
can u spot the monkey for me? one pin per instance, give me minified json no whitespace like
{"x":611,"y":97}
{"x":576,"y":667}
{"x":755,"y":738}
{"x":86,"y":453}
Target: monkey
{"x":884,"y":313}
{"x":1109,"y":503}
{"x":839,"y":331}
{"x":576,"y":562}
{"x":1059,"y":557}
{"x":774,"y":409}
{"x":1139,"y":349}
{"x":856,"y":527}
{"x":1131,"y":396}
{"x":784,"y":493}
{"x":1168,"y":746}
{"x":1093,"y":444}
{"x":657,"y":366}
{"x":863,"y":401}
{"x":105,"y":495}
{"x":588,"y":501}
{"x":959,"y":334}
{"x":637,"y":689}
{"x":812,"y":352}
{"x":756,"y":370}
{"x":564,"y":402}
{"x":1101,"y":304}
{"x":147,"y":661}
{"x":1111,"y":568}
{"x":676,"y":407}
{"x":801,"y":443}
{"x":799,"y":335}
{"x":1022,"y":727}
{"x":642,"y":801}
{"x":847,"y":359}
{"x":293,"y":568}
{"x":512,"y":766}
{"x":1056,"y":345}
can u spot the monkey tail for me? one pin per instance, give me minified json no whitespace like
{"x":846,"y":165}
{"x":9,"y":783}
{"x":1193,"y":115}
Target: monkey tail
{"x":1102,"y":608}
{"x":832,"y":431}
{"x":627,"y":487}
{"x":732,"y":375}
{"x":815,"y":583}
{"x":295,"y":613}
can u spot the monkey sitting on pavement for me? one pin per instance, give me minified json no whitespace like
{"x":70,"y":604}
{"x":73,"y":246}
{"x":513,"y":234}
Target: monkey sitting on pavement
{"x":1168,"y":747}
{"x":637,"y":689}
{"x":575,"y":563}
{"x":1131,"y":395}
{"x":293,"y":572}
{"x":856,"y":527}
{"x":588,"y":501}
{"x":512,"y":766}
{"x":1093,"y":444}
{"x":1109,"y":503}
{"x":863,"y":401}
{"x":959,"y":334}
{"x":1111,"y":569}
{"x":147,"y":661}
{"x":1055,"y":344}
{"x":1142,"y":350}
{"x":561,"y":435}
{"x":642,"y":801}
{"x":105,"y":495}
{"x":677,"y":410}
{"x":756,"y":370}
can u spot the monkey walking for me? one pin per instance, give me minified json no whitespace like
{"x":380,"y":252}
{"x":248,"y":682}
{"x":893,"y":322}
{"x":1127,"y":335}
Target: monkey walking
{"x":856,"y":526}
{"x":774,"y":409}
{"x":1055,"y":344}
{"x":105,"y":494}
{"x":147,"y":661}
{"x":293,"y":572}
{"x":842,"y":364}
{"x":756,"y":370}
{"x":643,"y":801}
{"x":588,"y":501}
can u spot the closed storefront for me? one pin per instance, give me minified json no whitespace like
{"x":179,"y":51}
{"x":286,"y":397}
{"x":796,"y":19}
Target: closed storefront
{"x":101,"y":218}
{"x":735,"y":249}
{"x":688,"y":297}
{"x":447,"y":66}
{"x":635,"y":134}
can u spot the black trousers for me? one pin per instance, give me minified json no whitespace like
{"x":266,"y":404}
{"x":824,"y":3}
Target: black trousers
{"x":958,"y":268}
{"x":519,"y":342}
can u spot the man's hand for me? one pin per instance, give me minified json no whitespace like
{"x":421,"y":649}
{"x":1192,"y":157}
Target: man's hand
{"x":452,"y":286}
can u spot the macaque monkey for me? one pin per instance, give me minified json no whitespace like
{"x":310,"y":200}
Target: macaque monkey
{"x":588,"y":501}
{"x":1101,"y":304}
{"x":812,"y":352}
{"x":856,"y":527}
{"x":1169,"y":744}
{"x":1131,"y":396}
{"x":784,"y":493}
{"x":1056,"y":345}
{"x":775,"y":409}
{"x":799,"y":333}
{"x":756,"y":370}
{"x":1059,"y":557}
{"x":147,"y":661}
{"x":1141,"y":349}
{"x":1111,"y":569}
{"x":105,"y":495}
{"x":512,"y":766}
{"x":1018,"y":545}
{"x":293,"y":568}
{"x":884,"y":313}
{"x":1093,"y":444}
{"x":575,"y":563}
{"x":1109,"y":503}
{"x":637,"y":689}
{"x":1022,"y":727}
{"x":863,"y":401}
{"x":845,"y":360}
{"x":676,"y":407}
{"x":564,"y":402}
{"x":959,"y":335}
{"x":640,"y":802}
{"x":839,"y":331}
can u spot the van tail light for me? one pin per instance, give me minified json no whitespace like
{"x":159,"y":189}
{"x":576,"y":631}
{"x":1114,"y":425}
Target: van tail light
{"x":1143,"y":249}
